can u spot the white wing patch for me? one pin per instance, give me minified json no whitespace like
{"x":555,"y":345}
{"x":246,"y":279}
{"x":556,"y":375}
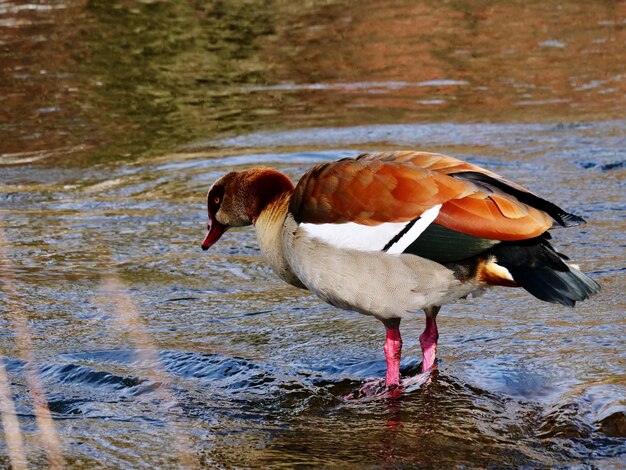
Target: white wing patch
{"x":372,"y":238}
{"x":355,"y":236}
{"x":415,"y":231}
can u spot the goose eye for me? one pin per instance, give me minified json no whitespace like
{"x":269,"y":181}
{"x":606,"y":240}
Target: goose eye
{"x":216,"y":200}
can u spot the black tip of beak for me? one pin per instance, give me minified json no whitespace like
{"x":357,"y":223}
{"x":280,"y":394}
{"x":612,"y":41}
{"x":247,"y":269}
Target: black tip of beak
{"x":204,"y":248}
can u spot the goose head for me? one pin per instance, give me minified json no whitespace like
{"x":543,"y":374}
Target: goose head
{"x":237,"y":198}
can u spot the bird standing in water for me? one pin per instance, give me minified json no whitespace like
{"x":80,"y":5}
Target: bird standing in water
{"x":390,"y":234}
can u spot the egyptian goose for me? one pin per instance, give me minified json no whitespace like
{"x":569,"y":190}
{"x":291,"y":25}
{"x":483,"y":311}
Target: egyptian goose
{"x":388,"y":234}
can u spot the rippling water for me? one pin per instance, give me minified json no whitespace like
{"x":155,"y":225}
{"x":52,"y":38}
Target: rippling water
{"x":116,"y":117}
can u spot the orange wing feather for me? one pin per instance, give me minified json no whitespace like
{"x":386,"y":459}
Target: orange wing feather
{"x":480,"y":216}
{"x":400,"y":186}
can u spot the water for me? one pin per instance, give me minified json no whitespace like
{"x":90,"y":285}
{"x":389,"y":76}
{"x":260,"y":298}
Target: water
{"x":116,"y":117}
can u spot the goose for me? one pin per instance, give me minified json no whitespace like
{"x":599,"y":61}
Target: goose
{"x":390,"y":234}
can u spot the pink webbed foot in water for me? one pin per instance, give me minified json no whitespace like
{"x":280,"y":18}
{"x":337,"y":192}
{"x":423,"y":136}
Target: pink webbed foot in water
{"x":428,"y":340}
{"x":393,"y":352}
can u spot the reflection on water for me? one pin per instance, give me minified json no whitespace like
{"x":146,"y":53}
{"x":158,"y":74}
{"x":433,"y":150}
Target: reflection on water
{"x":115,"y":117}
{"x":113,"y":80}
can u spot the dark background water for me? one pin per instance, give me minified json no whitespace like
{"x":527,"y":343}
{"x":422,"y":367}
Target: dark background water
{"x":115,"y":117}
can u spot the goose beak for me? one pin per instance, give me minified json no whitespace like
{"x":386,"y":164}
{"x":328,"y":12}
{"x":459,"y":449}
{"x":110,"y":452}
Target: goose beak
{"x":215,"y":231}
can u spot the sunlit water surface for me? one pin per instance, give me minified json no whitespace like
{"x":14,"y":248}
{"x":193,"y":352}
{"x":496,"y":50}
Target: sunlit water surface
{"x":107,"y":151}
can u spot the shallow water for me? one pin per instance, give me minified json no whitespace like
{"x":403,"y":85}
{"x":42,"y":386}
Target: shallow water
{"x":107,"y":148}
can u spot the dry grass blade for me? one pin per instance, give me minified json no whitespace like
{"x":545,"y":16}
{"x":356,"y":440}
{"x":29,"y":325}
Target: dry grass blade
{"x":11,"y":425}
{"x":48,"y":433}
{"x":130,"y":323}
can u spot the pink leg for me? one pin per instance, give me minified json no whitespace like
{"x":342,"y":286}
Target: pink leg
{"x":393,"y":351}
{"x":428,"y":340}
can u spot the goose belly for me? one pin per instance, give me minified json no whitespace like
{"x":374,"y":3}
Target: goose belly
{"x":370,"y":282}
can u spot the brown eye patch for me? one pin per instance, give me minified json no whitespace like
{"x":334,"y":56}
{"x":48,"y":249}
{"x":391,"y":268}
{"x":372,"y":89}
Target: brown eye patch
{"x":215,"y":198}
